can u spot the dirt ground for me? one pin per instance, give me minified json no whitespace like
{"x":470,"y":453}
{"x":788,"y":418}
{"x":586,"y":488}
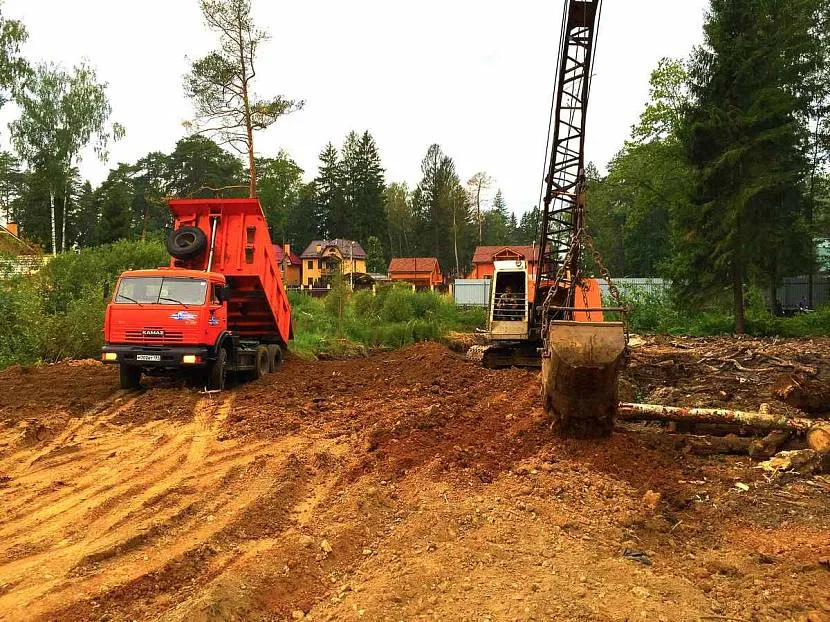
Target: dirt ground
{"x":404,"y":486}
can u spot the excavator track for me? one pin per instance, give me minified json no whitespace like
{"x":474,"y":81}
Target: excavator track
{"x":497,"y":356}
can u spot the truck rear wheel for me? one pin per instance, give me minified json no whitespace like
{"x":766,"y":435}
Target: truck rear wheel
{"x":275,"y":357}
{"x":218,"y":371}
{"x":262,"y":364}
{"x":129,"y":377}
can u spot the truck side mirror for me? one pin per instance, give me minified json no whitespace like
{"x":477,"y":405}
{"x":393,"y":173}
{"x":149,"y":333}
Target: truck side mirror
{"x":224,"y":293}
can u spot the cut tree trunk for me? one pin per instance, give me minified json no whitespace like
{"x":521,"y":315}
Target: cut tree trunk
{"x":764,"y":421}
{"x":811,"y":396}
{"x":819,"y":439}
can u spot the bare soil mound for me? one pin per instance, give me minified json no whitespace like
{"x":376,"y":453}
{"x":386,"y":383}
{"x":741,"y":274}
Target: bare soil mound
{"x":402,"y":486}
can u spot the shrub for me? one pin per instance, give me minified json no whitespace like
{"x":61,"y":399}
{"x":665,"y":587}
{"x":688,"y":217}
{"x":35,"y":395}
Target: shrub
{"x":398,"y":305}
{"x":365,"y":304}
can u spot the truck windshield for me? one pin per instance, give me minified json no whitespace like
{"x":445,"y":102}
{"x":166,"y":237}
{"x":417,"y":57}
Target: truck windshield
{"x":161,"y":290}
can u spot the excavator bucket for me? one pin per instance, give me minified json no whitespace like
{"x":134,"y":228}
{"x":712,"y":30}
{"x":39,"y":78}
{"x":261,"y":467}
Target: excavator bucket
{"x":581,"y":363}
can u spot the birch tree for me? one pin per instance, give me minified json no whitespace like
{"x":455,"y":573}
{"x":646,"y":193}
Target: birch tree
{"x":60,"y":115}
{"x":477,"y":184}
{"x":221,"y":83}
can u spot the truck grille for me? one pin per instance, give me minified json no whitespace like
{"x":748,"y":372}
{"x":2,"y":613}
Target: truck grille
{"x":139,"y":336}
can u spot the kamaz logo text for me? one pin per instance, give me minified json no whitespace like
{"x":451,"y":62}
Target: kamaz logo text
{"x":153,"y":333}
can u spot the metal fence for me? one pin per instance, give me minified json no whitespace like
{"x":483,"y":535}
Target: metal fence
{"x":476,"y":292}
{"x":793,"y":289}
{"x":648,"y":285}
{"x":471,"y":292}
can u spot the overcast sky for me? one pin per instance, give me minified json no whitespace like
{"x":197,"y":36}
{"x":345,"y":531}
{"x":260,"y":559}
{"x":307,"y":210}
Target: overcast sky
{"x":473,"y":76}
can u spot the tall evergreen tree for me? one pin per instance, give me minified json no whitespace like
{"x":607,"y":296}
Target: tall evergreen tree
{"x":86,"y":219}
{"x":746,"y":139}
{"x":397,"y":205}
{"x":303,"y":223}
{"x":441,"y":211}
{"x":329,"y":190}
{"x":11,"y":182}
{"x":497,"y":222}
{"x":115,"y":198}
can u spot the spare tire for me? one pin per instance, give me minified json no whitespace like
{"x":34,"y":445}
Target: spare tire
{"x":186,"y":242}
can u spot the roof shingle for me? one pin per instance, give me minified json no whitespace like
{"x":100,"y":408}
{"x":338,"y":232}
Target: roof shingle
{"x":484,"y":254}
{"x":345,"y":247}
{"x":414,"y":264}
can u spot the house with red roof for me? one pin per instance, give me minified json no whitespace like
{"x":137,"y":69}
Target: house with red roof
{"x":422,"y":272}
{"x":485,"y":257}
{"x":290,"y":265}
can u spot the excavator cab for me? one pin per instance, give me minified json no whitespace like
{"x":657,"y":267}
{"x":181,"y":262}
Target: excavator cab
{"x":508,"y":308}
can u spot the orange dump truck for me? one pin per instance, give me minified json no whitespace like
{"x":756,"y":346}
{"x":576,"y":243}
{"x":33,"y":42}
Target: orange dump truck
{"x":219,"y":307}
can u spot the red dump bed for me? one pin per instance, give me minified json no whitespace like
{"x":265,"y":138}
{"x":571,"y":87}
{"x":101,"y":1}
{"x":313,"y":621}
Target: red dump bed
{"x":244,"y":254}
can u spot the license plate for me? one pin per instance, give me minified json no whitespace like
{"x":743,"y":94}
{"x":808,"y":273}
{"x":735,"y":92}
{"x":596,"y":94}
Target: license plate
{"x":148,"y":357}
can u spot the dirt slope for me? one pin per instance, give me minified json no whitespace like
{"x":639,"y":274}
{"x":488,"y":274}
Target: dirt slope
{"x":404,"y":486}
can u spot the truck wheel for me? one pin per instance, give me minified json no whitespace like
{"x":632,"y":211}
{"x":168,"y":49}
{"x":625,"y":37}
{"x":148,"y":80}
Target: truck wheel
{"x":218,"y":371}
{"x":262,"y":363}
{"x":275,"y":357}
{"x":186,"y":242}
{"x":129,"y":376}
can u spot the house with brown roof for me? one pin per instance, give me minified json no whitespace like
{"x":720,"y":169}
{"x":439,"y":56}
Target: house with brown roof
{"x":291,"y":266}
{"x":485,"y":257}
{"x":422,"y":272}
{"x":324,"y":258}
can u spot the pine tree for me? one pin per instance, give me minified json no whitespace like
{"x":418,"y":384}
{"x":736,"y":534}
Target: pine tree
{"x":400,"y":219}
{"x":87,"y":217}
{"x":329,"y":190}
{"x":363,"y":186}
{"x":375,"y":257}
{"x":745,"y":139}
{"x":115,"y":197}
{"x":497,"y":222}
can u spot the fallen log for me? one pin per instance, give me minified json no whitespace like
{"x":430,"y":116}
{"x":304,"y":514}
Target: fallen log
{"x":804,"y":461}
{"x":770,"y":445}
{"x":765,"y":421}
{"x":818,"y":439}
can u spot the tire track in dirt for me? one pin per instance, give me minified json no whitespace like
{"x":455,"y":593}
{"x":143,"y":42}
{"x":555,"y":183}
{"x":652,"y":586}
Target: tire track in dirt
{"x":171,"y":490}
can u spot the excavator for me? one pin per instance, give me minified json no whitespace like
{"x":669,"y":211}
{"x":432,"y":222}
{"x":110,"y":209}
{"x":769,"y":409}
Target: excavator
{"x":544,"y":311}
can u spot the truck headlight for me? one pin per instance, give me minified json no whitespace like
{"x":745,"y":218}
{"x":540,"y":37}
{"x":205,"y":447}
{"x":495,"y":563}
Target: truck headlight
{"x":109,"y":356}
{"x":190,"y":359}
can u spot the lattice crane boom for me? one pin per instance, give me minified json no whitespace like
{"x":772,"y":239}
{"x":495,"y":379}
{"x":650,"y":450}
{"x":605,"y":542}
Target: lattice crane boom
{"x":562,"y":213}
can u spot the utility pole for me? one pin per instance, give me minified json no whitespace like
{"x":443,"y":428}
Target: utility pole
{"x":351,"y":257}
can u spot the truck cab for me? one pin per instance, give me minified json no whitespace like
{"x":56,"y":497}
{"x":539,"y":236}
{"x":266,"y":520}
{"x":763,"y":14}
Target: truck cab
{"x":160,"y":320}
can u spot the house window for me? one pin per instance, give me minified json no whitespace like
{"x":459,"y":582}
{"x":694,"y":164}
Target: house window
{"x":319,"y":264}
{"x":310,"y":280}
{"x":311,"y":264}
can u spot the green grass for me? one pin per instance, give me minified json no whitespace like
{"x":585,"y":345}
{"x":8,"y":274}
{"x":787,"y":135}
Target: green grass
{"x":653,"y":313}
{"x":349,"y":324}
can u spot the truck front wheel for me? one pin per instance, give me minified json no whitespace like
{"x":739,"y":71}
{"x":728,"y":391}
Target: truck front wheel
{"x":218,"y":371}
{"x":129,"y":376}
